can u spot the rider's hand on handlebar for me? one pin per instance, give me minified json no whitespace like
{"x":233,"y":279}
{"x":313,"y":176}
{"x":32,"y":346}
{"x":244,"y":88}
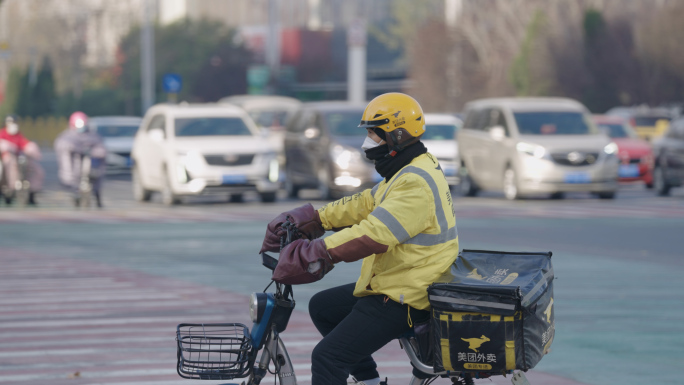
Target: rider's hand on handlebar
{"x":305,"y":218}
{"x":303,"y":261}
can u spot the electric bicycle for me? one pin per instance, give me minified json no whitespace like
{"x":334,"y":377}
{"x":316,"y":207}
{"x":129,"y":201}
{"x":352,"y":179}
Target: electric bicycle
{"x":228,"y":351}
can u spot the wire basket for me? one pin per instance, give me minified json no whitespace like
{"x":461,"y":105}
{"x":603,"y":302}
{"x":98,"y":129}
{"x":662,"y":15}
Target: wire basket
{"x":213,"y":351}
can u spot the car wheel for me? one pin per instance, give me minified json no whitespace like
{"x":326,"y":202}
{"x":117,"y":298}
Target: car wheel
{"x":661,"y":186}
{"x":292,"y":189}
{"x":168,"y":197}
{"x":466,"y":185}
{"x":268,"y":197}
{"x":510,"y":185}
{"x":140,"y":194}
{"x":606,"y":195}
{"x":557,"y":195}
{"x":236,"y":198}
{"x":324,"y":191}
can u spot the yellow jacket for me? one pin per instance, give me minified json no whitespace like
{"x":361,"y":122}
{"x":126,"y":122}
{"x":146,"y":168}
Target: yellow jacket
{"x":405,"y":229}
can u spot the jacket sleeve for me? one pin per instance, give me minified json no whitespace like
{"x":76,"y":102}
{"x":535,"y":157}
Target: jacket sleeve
{"x":403,"y":214}
{"x":347,"y":211}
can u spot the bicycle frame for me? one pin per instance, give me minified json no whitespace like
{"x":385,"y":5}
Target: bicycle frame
{"x":265,"y":334}
{"x":20,"y":189}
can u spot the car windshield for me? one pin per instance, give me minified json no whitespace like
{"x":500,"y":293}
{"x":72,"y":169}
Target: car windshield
{"x":552,"y":123}
{"x":345,"y":123}
{"x":117,"y":131}
{"x":214,"y":126}
{"x":615,"y":130}
{"x":269,"y":118}
{"x":439,"y":132}
{"x":648,"y":121}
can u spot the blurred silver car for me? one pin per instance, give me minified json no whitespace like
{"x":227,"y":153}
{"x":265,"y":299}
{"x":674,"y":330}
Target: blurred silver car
{"x":535,"y":145}
{"x":117,"y":132}
{"x":440,"y":140}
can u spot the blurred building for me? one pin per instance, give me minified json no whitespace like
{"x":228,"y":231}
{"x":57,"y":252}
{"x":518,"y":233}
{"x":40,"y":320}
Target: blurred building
{"x":310,"y":14}
{"x":75,"y":34}
{"x":83,"y":35}
{"x":304,"y":41}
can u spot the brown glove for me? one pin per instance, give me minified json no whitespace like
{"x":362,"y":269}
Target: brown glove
{"x":303,"y":261}
{"x":305,"y":218}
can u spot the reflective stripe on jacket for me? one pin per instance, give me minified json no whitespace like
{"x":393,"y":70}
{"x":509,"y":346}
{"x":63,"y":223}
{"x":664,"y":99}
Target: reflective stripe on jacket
{"x":405,"y":229}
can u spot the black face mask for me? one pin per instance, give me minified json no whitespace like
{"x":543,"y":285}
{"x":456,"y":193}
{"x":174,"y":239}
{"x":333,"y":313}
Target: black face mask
{"x":387,"y":165}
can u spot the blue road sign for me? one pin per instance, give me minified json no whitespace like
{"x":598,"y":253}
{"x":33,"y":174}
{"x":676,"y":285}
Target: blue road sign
{"x":172,"y":83}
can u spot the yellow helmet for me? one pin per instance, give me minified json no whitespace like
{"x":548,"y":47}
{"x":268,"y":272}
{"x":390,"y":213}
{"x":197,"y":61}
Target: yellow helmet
{"x":397,"y":118}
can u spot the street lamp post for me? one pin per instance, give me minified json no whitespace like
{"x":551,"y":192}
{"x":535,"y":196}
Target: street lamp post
{"x":147,"y":73}
{"x":356,"y":65}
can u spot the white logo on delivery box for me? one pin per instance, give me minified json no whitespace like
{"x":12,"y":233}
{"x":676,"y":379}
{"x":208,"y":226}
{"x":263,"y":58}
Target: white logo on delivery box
{"x":476,"y":357}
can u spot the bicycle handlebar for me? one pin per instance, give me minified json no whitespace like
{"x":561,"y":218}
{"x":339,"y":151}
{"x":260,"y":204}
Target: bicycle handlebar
{"x":291,"y":234}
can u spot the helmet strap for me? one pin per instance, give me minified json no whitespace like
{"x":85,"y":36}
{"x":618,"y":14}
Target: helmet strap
{"x":394,"y":149}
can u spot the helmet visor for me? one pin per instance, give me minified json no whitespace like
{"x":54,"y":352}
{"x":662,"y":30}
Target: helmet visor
{"x":373,"y":123}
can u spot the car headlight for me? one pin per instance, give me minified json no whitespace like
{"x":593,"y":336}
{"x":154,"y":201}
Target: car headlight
{"x":192,"y":160}
{"x":344,"y":156}
{"x":273,"y":170}
{"x":610,"y":148}
{"x":257,"y":305}
{"x":181,"y":173}
{"x":534,"y":150}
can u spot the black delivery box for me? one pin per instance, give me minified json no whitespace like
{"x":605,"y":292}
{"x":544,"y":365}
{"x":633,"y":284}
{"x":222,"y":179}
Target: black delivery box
{"x":493,"y":312}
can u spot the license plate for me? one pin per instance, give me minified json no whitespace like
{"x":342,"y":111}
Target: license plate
{"x":577,"y":177}
{"x":628,"y":171}
{"x":234,"y":179}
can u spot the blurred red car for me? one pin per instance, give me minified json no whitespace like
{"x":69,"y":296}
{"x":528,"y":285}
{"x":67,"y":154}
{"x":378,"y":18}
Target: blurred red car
{"x":636,"y":155}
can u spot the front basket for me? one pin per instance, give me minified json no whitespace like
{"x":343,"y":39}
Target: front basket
{"x":213,"y":351}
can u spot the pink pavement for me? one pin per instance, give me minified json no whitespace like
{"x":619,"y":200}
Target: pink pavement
{"x":72,"y":321}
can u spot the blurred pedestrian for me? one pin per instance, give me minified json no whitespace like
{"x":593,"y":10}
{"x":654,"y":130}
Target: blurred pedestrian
{"x":72,"y":147}
{"x":13,"y":148}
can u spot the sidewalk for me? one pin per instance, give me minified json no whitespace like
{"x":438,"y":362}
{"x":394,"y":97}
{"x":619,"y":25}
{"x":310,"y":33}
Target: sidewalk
{"x":69,"y":321}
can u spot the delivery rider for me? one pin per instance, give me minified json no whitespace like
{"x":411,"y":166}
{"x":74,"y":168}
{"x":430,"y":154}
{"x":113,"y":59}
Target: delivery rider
{"x":404,"y":229}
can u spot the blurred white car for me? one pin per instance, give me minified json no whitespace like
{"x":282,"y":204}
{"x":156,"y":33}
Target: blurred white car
{"x":117,"y":133}
{"x":185,"y":150}
{"x":271,"y":113}
{"x":440,"y":140}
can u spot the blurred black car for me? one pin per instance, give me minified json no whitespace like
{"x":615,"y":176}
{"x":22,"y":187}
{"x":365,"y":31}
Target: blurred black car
{"x":323,"y":151}
{"x":669,"y":158}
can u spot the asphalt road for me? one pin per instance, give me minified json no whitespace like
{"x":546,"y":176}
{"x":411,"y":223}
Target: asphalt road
{"x":619,"y":293}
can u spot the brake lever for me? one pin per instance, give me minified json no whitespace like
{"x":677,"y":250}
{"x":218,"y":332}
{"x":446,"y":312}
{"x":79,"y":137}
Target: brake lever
{"x":268,"y":261}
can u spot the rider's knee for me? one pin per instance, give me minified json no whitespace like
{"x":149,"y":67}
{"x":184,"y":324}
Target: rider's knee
{"x":316,"y":303}
{"x":322,"y":353}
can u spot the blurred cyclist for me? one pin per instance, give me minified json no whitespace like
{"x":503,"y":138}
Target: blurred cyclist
{"x":71,"y":147}
{"x":404,"y":230}
{"x":13,"y":145}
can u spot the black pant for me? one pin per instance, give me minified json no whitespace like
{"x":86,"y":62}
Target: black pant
{"x":353,"y":328}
